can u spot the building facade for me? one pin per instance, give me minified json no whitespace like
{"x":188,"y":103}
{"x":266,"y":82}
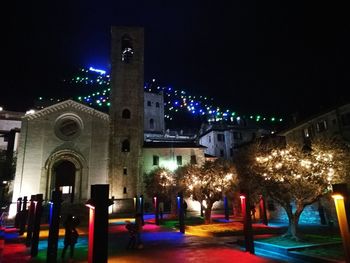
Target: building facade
{"x":69,"y":146}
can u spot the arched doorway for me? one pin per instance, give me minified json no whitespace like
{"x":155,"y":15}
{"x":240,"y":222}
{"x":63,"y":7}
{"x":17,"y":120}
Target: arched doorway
{"x":64,"y":179}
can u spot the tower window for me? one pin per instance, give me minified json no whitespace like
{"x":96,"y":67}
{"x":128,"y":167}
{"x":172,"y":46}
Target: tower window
{"x":126,"y":146}
{"x":126,"y":114}
{"x":125,"y":171}
{"x":124,"y":190}
{"x":157,"y":104}
{"x":127,"y":50}
{"x":155,"y":160}
{"x":149,"y":103}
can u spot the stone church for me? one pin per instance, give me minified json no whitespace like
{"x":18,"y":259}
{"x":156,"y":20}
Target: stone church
{"x":70,"y":146}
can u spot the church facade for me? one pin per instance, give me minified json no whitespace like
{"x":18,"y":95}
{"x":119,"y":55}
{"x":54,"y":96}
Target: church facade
{"x":70,"y":146}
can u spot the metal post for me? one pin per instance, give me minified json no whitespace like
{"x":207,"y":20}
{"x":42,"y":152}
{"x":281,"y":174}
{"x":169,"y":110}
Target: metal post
{"x":36,"y":227}
{"x":23,"y":216}
{"x":98,"y":223}
{"x":141,"y":208}
{"x":247,"y":227}
{"x":54,"y":222}
{"x":30,"y":221}
{"x":262,"y":207}
{"x":227,"y":217}
{"x":18,"y":212}
{"x":156,"y":209}
{"x":180,"y":206}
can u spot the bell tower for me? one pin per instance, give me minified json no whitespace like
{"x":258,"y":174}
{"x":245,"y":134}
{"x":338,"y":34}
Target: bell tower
{"x":126,"y":111}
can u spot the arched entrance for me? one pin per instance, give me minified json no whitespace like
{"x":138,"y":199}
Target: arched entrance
{"x":66,"y":170}
{"x":64,"y":179}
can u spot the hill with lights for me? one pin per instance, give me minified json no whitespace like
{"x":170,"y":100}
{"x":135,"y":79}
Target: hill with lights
{"x":91,"y":87}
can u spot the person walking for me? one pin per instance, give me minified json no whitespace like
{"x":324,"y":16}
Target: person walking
{"x":132,"y":234}
{"x":71,"y":235}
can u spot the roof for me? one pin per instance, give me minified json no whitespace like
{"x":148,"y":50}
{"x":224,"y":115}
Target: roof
{"x":172,"y":144}
{"x":64,"y":105}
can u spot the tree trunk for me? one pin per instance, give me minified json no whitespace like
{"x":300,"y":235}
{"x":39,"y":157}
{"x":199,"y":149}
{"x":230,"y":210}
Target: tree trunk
{"x":207,"y":214}
{"x":292,"y":231}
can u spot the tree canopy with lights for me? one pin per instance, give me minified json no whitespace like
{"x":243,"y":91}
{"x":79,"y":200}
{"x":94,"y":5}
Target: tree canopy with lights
{"x":293,"y":176}
{"x":208,"y":183}
{"x":161,"y":182}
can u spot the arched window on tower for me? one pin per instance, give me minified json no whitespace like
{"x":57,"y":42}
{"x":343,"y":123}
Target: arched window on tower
{"x":127,"y":49}
{"x":126,"y":146}
{"x":151,"y":124}
{"x":126,"y":114}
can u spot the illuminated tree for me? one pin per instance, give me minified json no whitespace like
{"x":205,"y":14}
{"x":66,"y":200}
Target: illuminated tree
{"x":161,"y":182}
{"x":208,"y":183}
{"x":295,"y":176}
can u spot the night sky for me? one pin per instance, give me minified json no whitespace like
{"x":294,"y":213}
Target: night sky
{"x":253,"y":56}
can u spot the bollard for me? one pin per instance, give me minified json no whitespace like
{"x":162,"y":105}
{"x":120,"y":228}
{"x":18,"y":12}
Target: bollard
{"x":156,"y":209}
{"x":23,"y":216}
{"x":30,"y":221}
{"x":227,"y":217}
{"x":262,"y":208}
{"x":36,"y":227}
{"x":98,"y":223}
{"x":18,"y":212}
{"x":247,"y":228}
{"x":340,"y":193}
{"x":54,"y":222}
{"x":141,"y":208}
{"x":180,"y":205}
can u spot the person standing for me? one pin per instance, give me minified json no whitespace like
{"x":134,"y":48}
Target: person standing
{"x":138,"y":227}
{"x":71,"y":235}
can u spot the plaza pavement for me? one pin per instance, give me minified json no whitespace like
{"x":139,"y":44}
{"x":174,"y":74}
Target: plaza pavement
{"x":161,"y":244}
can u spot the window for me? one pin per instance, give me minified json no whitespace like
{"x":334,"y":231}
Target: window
{"x":155,"y":160}
{"x":124,"y":190}
{"x":193,"y":159}
{"x":125,"y":171}
{"x":149,"y":103}
{"x":221,"y":153}
{"x":157,"y":104}
{"x":151,"y":124}
{"x":231,"y":151}
{"x":179,"y":160}
{"x":126,"y":114}
{"x":126,"y":146}
{"x":127,"y":50}
{"x":221,"y":137}
{"x":321,"y":126}
{"x":209,"y":139}
{"x":237,"y":135}
{"x":345,"y":119}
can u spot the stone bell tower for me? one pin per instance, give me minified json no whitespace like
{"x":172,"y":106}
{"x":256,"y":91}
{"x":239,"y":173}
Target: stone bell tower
{"x":126,"y":111}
